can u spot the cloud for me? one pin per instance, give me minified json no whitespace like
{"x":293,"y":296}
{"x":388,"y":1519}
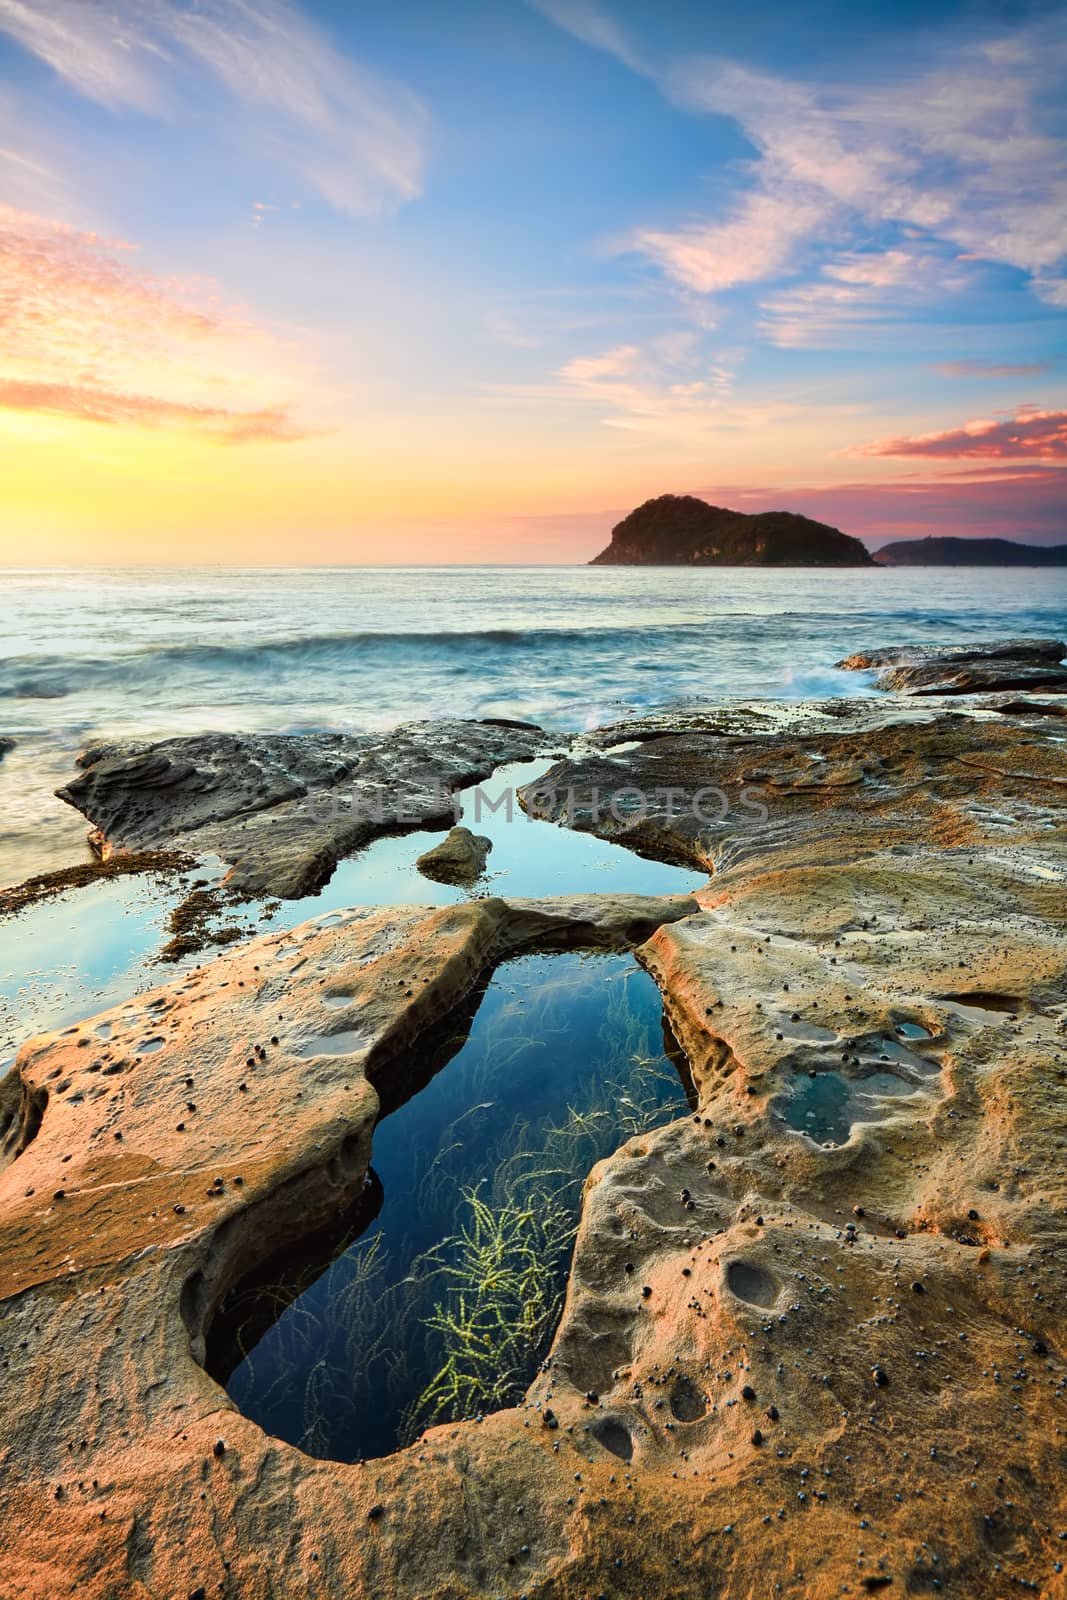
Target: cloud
{"x":63,"y":290}
{"x":593,"y":26}
{"x":860,"y":292}
{"x":506,"y":331}
{"x":91,"y":404}
{"x":755,"y":243}
{"x":966,"y":148}
{"x":1053,"y":291}
{"x":587,"y":371}
{"x":1015,"y":503}
{"x":674,"y":384}
{"x":989,"y":369}
{"x":1031,"y":434}
{"x":354,"y":135}
{"x":86,"y":333}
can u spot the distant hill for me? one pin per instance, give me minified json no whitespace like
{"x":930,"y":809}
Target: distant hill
{"x":681,"y":531}
{"x":952,"y":552}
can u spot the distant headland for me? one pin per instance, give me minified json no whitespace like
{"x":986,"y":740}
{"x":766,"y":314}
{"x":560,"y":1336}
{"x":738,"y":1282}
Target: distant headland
{"x":953,"y":552}
{"x":678,"y":530}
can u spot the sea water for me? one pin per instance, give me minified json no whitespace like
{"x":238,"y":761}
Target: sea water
{"x":97,"y":654}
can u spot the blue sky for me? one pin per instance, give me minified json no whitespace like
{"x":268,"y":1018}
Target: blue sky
{"x":516,"y":264}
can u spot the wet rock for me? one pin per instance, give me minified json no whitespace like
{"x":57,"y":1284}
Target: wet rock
{"x":459,"y":858}
{"x":879,"y":779}
{"x":283,"y":809}
{"x":967,"y":668}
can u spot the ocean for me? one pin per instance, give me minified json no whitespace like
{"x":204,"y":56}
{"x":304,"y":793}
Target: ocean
{"x":144,"y":653}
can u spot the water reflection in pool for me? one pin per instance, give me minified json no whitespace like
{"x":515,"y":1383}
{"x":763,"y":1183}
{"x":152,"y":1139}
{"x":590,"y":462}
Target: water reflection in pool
{"x":447,"y":1302}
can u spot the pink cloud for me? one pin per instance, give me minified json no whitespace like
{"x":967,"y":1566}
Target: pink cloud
{"x":753,"y":244}
{"x":60,"y":287}
{"x":1024,"y":503}
{"x":989,"y":369}
{"x":1034,"y":434}
{"x":86,"y":333}
{"x":88,"y":404}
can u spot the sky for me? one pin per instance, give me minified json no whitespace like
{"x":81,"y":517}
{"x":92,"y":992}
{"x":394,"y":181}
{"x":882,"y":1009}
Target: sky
{"x":335,"y":281}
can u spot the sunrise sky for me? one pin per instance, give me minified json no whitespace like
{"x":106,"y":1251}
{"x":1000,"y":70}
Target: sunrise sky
{"x":465,"y":281}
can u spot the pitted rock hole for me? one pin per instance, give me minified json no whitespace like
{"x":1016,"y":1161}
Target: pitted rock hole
{"x":751,"y":1283}
{"x":806,"y":1030}
{"x":687,"y":1402}
{"x":979,"y":1003}
{"x":893,"y":1050}
{"x":335,"y":1044}
{"x":615,"y":1436}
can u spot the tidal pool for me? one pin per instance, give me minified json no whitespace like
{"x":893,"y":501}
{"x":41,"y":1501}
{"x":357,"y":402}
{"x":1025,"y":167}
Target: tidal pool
{"x":93,"y":947}
{"x":827,"y":1105}
{"x":446,"y":1303}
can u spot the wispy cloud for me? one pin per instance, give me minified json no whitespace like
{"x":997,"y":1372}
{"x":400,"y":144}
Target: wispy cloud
{"x":1030,"y":434}
{"x":593,"y":26}
{"x":990,"y":369}
{"x":86,"y":403}
{"x":966,"y":149}
{"x":506,"y":330}
{"x":87,"y":334}
{"x":858,"y":293}
{"x":756,"y":242}
{"x":1024,"y":502}
{"x":354,"y":135}
{"x":674,"y":384}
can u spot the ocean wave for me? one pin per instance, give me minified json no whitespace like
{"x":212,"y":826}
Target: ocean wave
{"x":823,"y":683}
{"x":54,"y":676}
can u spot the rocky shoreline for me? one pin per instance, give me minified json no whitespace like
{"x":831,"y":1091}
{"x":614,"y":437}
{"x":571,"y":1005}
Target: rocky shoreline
{"x":800,"y":1354}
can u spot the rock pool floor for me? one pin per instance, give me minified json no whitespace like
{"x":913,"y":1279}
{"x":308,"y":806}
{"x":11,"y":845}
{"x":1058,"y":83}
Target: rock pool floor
{"x":447,"y":1302}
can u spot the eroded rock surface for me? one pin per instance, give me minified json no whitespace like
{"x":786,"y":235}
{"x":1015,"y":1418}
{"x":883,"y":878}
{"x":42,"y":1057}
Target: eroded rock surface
{"x":150,"y":1156}
{"x":459,"y":858}
{"x":799,"y":1355}
{"x":716,"y":800}
{"x":967,"y":668}
{"x":845,"y":1345}
{"x":283,"y":809}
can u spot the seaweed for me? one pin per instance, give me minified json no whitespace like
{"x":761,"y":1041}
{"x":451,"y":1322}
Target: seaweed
{"x":444,"y":1308}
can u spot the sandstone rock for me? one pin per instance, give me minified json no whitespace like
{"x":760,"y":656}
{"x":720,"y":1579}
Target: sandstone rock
{"x":968,"y":668}
{"x":283,"y":809}
{"x":115,"y":1250}
{"x":900,"y":915}
{"x":715,"y":800}
{"x":459,"y":858}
